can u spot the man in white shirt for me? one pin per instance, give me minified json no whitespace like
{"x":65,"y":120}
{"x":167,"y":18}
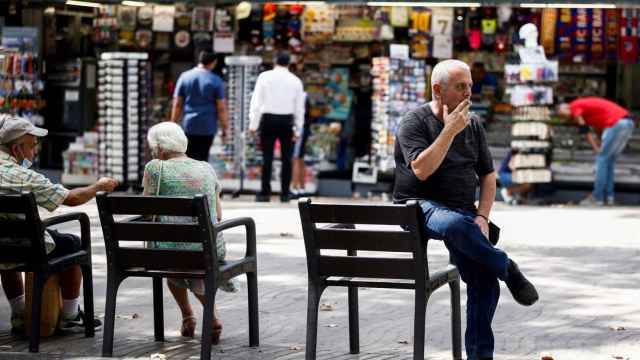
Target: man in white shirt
{"x":277,"y":110}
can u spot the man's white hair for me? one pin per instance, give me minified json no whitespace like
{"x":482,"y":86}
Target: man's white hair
{"x":442,"y":70}
{"x":167,"y":136}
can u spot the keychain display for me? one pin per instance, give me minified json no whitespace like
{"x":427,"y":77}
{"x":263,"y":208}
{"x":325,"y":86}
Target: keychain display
{"x":399,"y":85}
{"x":21,"y":86}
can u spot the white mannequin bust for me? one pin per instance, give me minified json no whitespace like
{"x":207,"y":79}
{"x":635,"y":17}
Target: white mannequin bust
{"x":529,"y":33}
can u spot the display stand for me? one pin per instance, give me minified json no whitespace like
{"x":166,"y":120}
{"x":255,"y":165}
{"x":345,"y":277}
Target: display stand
{"x":530,"y":87}
{"x":123,"y":115}
{"x":240,"y":151}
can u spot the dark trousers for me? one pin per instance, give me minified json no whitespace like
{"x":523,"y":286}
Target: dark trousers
{"x":199,"y":146}
{"x":274,"y":127}
{"x":480,"y":265}
{"x":65,"y":244}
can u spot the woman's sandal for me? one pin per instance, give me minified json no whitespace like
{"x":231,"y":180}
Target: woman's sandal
{"x":217,"y":331}
{"x":188,"y":326}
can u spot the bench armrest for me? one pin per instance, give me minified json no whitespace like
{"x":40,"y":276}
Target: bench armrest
{"x":85,"y":227}
{"x":250,"y":226}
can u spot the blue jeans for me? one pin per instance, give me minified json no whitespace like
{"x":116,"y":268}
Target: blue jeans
{"x":480,"y":266}
{"x":614,"y":139}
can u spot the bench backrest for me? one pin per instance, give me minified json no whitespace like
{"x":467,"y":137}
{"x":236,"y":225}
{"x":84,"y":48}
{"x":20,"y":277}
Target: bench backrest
{"x":343,"y":233}
{"x":142,"y":227}
{"x":19,"y":219}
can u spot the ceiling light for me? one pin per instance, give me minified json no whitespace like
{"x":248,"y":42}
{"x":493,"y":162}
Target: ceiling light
{"x":425,"y":4}
{"x":133,"y":3}
{"x":83,"y":3}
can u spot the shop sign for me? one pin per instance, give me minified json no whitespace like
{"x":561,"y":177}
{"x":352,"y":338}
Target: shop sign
{"x":202,"y":19}
{"x":629,"y":36}
{"x":23,"y":38}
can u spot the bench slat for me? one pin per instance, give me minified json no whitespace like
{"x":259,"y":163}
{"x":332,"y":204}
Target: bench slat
{"x":150,"y":231}
{"x":370,"y":240}
{"x":146,"y":205}
{"x":14,"y":204}
{"x":359,"y":214}
{"x":366,"y":267}
{"x":160,"y":259}
{"x":15,"y":229}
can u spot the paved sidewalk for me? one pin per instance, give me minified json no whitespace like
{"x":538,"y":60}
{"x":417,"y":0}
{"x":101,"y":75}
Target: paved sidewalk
{"x":584,"y":261}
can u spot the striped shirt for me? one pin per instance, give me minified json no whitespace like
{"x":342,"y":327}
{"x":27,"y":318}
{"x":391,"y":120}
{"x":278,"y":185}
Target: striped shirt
{"x":15,"y":179}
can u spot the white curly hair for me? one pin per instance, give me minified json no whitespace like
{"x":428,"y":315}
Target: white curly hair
{"x":167,"y":136}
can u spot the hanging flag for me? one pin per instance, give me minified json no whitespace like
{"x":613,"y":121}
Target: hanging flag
{"x":582,"y":33}
{"x":565,"y":32}
{"x":597,"y":35}
{"x":612,"y":31}
{"x":629,"y":36}
{"x":548,"y":30}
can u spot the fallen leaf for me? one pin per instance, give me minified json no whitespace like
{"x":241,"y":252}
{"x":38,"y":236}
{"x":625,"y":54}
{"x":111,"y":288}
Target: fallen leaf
{"x":546,"y":356}
{"x":158,"y":357}
{"x":128,"y":317}
{"x":331,"y":325}
{"x":295,"y":347}
{"x":403,"y":342}
{"x":285,"y":234}
{"x":617,"y":328}
{"x":327,"y":306}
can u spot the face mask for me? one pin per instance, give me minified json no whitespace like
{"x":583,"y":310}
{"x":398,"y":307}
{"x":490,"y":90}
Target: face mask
{"x":26,"y":163}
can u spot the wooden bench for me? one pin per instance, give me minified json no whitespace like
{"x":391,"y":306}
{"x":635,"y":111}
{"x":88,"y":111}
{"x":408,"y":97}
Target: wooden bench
{"x":340,"y":232}
{"x":33,"y":256}
{"x":125,"y":261}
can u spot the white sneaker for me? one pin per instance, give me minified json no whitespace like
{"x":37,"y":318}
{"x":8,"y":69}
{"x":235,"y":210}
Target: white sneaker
{"x":611,"y":201}
{"x":508,"y":199}
{"x":590,"y":201}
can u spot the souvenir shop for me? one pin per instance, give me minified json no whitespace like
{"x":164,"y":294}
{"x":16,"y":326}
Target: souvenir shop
{"x":97,"y":74}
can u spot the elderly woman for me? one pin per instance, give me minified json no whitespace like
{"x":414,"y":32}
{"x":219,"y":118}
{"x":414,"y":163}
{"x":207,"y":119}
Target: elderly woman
{"x":171,"y":172}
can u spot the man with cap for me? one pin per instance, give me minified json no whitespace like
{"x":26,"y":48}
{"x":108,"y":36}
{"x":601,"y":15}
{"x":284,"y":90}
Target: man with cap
{"x":18,"y":148}
{"x":277,"y":109}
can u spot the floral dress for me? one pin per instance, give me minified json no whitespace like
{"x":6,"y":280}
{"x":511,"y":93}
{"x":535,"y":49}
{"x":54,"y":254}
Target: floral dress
{"x":185,"y":177}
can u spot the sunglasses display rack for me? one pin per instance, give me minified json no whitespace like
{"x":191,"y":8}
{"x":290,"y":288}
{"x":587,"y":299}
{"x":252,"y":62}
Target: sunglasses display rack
{"x":399,"y":85}
{"x":21,"y":85}
{"x":123,"y":88}
{"x":530,"y":90}
{"x":240,"y":152}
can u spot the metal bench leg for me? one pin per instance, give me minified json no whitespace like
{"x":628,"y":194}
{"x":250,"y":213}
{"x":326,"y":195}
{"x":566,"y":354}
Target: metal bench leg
{"x":158,"y":311}
{"x":456,"y":331}
{"x":109,"y":314}
{"x":313,"y":301}
{"x":87,"y":293}
{"x":354,"y":327}
{"x":421,"y":299}
{"x":39,"y":280}
{"x":210,"y":288}
{"x":254,"y":329}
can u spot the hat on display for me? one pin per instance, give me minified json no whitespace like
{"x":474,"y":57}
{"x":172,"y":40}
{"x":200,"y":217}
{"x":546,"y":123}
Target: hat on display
{"x":13,"y":127}
{"x":243,"y":10}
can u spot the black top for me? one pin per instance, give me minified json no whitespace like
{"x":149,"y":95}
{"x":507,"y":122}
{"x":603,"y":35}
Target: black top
{"x":454,"y":183}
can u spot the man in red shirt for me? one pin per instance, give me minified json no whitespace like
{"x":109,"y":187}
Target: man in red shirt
{"x":616,"y":125}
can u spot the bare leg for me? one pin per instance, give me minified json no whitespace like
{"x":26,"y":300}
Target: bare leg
{"x":70,"y":281}
{"x":298,"y":174}
{"x":217,"y":324}
{"x":12,"y":283}
{"x":520,"y":189}
{"x":182,"y":299}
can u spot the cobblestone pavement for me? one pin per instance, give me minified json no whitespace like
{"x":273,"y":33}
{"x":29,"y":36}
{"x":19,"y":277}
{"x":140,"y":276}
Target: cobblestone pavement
{"x":584,"y":261}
